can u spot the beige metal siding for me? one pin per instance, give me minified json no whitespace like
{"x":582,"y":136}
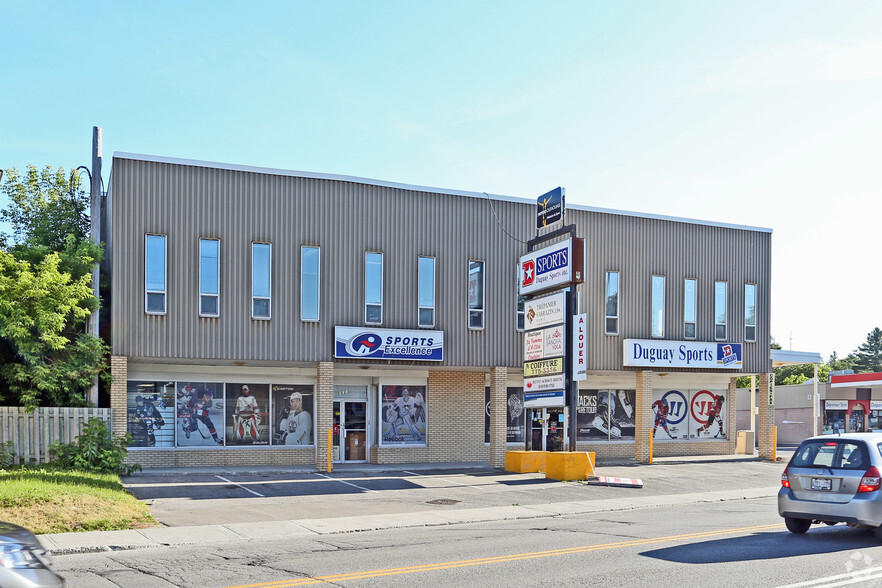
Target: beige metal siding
{"x":347,"y":218}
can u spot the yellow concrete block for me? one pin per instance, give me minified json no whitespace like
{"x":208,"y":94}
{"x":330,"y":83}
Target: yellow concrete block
{"x":540,"y":460}
{"x":520,"y":462}
{"x":569,"y":465}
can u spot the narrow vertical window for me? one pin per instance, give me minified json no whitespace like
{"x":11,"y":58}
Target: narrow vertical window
{"x":310,"y":258}
{"x":658,"y":306}
{"x":720,"y":315}
{"x":373,"y":288}
{"x":750,"y":312}
{"x":209,"y":277}
{"x":521,"y":299}
{"x":155,"y":274}
{"x":426,"y":292}
{"x":689,"y":293}
{"x":261,"y":280}
{"x":612,"y":303}
{"x":476,"y":294}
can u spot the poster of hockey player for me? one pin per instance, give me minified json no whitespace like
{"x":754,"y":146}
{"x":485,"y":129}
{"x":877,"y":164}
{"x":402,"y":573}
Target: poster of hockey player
{"x":670,"y":414}
{"x":515,"y":413}
{"x":200,"y":410}
{"x":293,"y":407}
{"x":707,"y":411}
{"x":150,"y":413}
{"x":247,"y":414}
{"x":605,"y":414}
{"x":403,"y":414}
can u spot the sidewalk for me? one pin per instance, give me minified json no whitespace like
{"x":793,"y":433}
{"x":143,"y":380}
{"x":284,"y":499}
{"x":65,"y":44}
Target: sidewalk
{"x":70,"y":543}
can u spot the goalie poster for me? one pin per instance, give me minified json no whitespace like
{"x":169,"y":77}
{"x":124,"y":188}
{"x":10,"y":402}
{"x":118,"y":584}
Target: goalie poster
{"x":248,"y":414}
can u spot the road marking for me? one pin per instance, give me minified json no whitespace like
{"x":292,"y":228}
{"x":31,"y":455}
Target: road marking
{"x":347,"y":483}
{"x":504,"y":558}
{"x":846,"y":579}
{"x":240,"y":486}
{"x":442,"y":479}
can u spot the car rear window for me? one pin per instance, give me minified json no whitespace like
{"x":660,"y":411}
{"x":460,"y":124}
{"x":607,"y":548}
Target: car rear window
{"x":848,"y":455}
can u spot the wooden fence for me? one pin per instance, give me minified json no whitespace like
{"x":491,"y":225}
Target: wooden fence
{"x":31,"y":434}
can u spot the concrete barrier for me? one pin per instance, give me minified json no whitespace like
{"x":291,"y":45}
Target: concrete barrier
{"x":524,"y":462}
{"x":569,"y":465}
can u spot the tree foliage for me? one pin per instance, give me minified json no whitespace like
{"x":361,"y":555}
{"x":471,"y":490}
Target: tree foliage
{"x":868,"y":357}
{"x":46,"y":356}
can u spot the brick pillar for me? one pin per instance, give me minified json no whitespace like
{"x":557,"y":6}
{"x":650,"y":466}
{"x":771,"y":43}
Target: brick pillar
{"x":119,"y":370}
{"x":498,"y":415}
{"x":731,"y":416}
{"x":324,"y":401}
{"x":765,"y":420}
{"x":643,"y":416}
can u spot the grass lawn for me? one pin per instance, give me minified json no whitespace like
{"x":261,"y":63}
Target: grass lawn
{"x":56,"y":501}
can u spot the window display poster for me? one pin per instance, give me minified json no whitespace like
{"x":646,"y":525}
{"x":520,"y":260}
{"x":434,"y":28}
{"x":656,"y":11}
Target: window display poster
{"x":605,"y":414}
{"x":293,"y":407}
{"x":707,"y":414}
{"x":200,"y":412}
{"x":150,"y":413}
{"x":670,"y":412}
{"x":247,"y":420}
{"x":403,"y":414}
{"x":516,"y":415}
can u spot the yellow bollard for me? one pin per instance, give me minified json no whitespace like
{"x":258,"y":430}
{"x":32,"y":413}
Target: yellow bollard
{"x":650,"y":446}
{"x":330,"y":455}
{"x":774,"y":443}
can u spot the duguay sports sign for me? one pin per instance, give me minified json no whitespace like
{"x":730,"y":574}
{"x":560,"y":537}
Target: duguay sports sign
{"x":547,"y":268}
{"x":682,"y":354}
{"x":393,"y":344}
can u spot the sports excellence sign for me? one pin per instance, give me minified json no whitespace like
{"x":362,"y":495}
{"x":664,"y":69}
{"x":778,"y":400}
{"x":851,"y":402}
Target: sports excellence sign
{"x":547,"y":268}
{"x":682,"y":354}
{"x":393,"y":344}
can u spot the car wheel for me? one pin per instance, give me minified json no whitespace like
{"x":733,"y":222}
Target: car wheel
{"x":798,"y":526}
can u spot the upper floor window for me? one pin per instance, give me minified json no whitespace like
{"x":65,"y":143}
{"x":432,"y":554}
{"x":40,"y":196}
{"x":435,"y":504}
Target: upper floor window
{"x":155,"y":274}
{"x":209,"y":277}
{"x":658,"y":306}
{"x":373,"y":288}
{"x":310,"y":258}
{"x":689,"y":302}
{"x":750,"y":312}
{"x":426,"y":292}
{"x":520,"y":305}
{"x":720,"y":314}
{"x":476,"y":294}
{"x":612,"y":303}
{"x":261,"y":280}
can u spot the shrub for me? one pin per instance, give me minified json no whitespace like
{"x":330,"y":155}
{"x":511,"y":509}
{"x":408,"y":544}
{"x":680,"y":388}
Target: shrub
{"x":7,"y":454}
{"x":95,"y":450}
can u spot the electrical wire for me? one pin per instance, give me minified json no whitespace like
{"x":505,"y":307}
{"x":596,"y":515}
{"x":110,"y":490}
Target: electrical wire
{"x":498,"y":222}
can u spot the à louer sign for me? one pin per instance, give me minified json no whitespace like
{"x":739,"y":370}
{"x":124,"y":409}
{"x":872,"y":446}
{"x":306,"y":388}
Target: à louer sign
{"x":394,"y":344}
{"x":682,"y":354}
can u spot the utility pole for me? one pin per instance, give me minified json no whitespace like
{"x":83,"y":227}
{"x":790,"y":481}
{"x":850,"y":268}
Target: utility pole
{"x":95,"y":233}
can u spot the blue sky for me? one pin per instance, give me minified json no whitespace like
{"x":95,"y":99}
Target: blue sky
{"x":758,"y":113}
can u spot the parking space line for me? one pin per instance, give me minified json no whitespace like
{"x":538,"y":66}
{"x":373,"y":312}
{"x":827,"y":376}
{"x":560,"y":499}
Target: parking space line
{"x":442,"y":479}
{"x":240,"y":486}
{"x":345,"y":482}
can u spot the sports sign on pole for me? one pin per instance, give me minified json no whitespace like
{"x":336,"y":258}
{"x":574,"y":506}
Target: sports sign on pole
{"x":550,"y":208}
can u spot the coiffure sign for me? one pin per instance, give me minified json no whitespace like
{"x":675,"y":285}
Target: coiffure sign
{"x":547,"y":268}
{"x":367,"y":343}
{"x":682,"y":354}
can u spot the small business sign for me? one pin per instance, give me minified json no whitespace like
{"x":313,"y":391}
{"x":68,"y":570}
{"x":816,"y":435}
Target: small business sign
{"x":543,"y":367}
{"x":392,"y":344}
{"x":544,"y":398}
{"x":544,"y":383}
{"x":547,"y":268}
{"x":682,"y":354}
{"x":580,"y":322}
{"x":545,"y":311}
{"x":836,"y":405}
{"x":544,"y":343}
{"x":550,"y":208}
{"x":876,"y":405}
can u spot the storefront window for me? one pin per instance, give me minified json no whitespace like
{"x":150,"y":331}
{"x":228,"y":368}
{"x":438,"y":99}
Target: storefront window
{"x":605,"y":414}
{"x":516,"y":415}
{"x":834,"y":421}
{"x":403,"y":412}
{"x":293,"y":407}
{"x":150,"y":413}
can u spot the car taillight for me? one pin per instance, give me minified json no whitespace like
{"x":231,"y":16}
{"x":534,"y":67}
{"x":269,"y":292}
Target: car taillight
{"x":871,"y":481}
{"x":785,"y":481}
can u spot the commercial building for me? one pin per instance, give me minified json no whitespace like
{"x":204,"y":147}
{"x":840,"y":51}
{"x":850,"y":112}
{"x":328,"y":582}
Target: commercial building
{"x":265,"y":316}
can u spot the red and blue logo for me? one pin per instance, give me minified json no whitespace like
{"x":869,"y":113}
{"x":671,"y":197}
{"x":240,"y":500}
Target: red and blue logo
{"x":728,"y":353}
{"x":529,"y":273}
{"x":364,"y":344}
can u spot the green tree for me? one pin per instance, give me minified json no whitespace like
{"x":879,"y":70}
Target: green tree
{"x":868,"y":357}
{"x":42,"y":310}
{"x":836,"y":364}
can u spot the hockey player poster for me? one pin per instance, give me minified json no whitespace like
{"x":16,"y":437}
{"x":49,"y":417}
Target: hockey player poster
{"x":200,"y":412}
{"x":150,"y":413}
{"x":403,"y":414}
{"x":515,"y":413}
{"x":707,"y":413}
{"x":670,"y":414}
{"x":605,"y":414}
{"x":293,"y":410}
{"x":247,"y":414}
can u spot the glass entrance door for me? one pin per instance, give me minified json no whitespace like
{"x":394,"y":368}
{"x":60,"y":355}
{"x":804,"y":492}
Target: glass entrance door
{"x":350,"y":431}
{"x":549,"y":429}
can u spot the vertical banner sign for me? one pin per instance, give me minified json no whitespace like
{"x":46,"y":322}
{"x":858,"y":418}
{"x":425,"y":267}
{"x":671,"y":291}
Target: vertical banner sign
{"x":580,"y":322}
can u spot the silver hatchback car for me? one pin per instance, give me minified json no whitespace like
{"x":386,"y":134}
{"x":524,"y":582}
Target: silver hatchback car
{"x":833,"y":479}
{"x":23,"y":561}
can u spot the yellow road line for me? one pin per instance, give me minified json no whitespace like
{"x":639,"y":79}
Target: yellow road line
{"x":504,"y":558}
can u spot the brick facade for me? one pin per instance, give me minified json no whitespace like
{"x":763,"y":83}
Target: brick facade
{"x":765,"y":419}
{"x":119,"y":372}
{"x":498,"y":415}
